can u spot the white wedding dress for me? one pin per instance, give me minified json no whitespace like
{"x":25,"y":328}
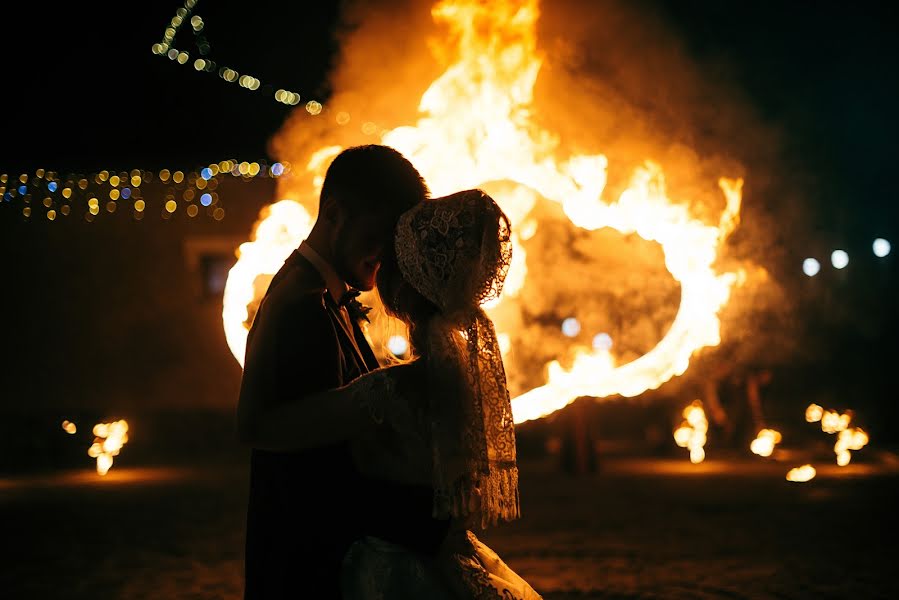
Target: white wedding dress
{"x":464,"y":568}
{"x":375,"y":569}
{"x":449,"y":413}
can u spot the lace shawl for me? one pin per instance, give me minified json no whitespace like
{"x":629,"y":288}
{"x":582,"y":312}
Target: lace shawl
{"x":456,"y":252}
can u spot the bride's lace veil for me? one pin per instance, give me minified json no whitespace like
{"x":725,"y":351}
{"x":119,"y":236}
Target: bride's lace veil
{"x":455,"y":252}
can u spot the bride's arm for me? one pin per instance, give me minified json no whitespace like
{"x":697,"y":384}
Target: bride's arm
{"x":329,"y":416}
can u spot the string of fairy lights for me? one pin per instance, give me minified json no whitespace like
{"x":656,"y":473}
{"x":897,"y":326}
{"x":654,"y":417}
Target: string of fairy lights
{"x":48,"y":195}
{"x":205,"y":64}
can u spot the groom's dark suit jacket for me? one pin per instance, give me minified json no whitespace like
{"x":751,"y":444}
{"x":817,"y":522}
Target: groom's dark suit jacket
{"x":307,"y":507}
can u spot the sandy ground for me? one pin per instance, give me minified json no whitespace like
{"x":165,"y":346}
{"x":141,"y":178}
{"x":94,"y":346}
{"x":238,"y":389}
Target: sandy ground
{"x":638,"y":528}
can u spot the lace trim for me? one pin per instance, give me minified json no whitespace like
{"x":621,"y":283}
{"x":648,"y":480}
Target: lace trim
{"x":492,"y":496}
{"x":456,"y":252}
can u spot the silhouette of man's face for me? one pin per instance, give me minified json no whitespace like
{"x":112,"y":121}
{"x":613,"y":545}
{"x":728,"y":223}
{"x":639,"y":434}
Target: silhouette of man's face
{"x":359,"y":243}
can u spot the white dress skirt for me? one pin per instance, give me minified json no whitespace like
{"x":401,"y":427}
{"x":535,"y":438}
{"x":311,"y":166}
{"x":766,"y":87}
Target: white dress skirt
{"x":464,"y":568}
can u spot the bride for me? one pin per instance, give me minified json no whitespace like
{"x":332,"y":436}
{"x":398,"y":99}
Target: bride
{"x":443,"y":418}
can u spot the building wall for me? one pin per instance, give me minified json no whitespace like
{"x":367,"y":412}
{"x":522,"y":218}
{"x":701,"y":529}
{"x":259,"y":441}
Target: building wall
{"x":118,"y":317}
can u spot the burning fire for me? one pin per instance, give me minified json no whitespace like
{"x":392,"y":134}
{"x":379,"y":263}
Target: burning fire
{"x":764,"y":443}
{"x":282,"y":227}
{"x":832,"y":421}
{"x":801,"y":474}
{"x":110,"y":437}
{"x":475,"y":127}
{"x":848,"y":438}
{"x":814,"y":413}
{"x":692,"y":432}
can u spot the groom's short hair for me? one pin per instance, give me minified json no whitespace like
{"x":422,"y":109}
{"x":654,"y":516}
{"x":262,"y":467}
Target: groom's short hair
{"x":373,"y":178}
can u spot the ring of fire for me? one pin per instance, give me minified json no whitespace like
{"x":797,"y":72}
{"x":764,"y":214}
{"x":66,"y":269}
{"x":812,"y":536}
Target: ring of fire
{"x":475,"y":128}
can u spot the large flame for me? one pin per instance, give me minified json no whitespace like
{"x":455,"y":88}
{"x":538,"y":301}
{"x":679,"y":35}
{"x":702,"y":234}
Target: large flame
{"x":283,"y":226}
{"x":476,"y":126}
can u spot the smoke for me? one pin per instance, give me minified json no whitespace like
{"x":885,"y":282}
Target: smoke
{"x":383,"y":67}
{"x":620,"y":78}
{"x":615,"y":79}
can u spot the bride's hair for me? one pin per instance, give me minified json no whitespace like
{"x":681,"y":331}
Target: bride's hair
{"x":449,"y":256}
{"x":465,"y":263}
{"x":404,"y":302}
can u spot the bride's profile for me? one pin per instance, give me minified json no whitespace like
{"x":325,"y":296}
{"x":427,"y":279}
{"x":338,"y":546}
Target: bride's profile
{"x":444,"y":417}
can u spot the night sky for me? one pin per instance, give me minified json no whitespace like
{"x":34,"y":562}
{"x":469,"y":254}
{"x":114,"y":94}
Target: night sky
{"x":84,"y":92}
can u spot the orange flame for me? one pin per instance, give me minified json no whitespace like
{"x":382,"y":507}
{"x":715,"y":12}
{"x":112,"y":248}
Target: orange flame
{"x":108,"y":442}
{"x":693,"y":431}
{"x":476,"y":126}
{"x":814,"y":413}
{"x":801,"y":474}
{"x":832,"y":421}
{"x":764,"y":443}
{"x":281,"y":229}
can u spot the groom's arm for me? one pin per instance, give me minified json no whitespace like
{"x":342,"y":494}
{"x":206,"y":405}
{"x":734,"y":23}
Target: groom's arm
{"x":292,"y":360}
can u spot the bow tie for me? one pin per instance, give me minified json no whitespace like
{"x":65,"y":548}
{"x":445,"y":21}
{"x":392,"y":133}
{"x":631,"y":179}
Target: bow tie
{"x":356,"y":309}
{"x":348,"y":296}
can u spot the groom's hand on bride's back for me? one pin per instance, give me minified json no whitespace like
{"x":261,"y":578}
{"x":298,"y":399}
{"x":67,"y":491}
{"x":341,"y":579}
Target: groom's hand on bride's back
{"x":404,"y":408}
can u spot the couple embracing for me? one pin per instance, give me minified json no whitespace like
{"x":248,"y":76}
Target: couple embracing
{"x":368,"y":481}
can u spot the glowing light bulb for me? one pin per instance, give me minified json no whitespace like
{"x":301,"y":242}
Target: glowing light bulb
{"x":571,"y":327}
{"x":811,"y":267}
{"x":602,"y":341}
{"x":839,"y":259}
{"x":313,"y":107}
{"x":881,"y":247}
{"x":398,"y":345}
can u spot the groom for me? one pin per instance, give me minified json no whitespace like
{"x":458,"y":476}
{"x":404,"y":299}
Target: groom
{"x":307,"y":506}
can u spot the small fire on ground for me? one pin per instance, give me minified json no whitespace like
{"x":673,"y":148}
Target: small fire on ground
{"x":801,"y":474}
{"x":765,"y":441}
{"x":692,"y":432}
{"x":833,"y":422}
{"x":108,"y":442}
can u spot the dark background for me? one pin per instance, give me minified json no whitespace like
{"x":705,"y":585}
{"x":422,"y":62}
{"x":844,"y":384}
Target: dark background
{"x":83,"y":92}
